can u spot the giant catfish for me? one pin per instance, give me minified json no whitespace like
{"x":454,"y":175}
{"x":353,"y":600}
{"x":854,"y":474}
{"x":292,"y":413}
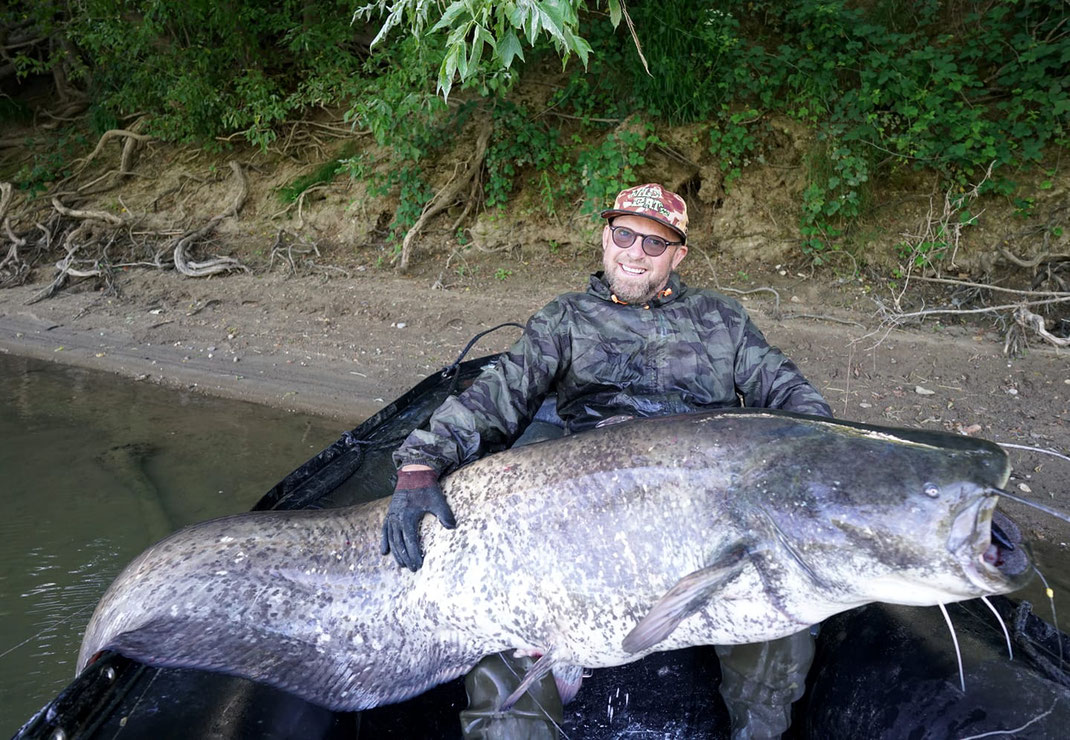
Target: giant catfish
{"x":592,"y":550}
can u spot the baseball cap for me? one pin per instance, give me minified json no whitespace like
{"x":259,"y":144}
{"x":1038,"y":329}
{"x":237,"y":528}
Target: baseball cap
{"x":654,"y":202}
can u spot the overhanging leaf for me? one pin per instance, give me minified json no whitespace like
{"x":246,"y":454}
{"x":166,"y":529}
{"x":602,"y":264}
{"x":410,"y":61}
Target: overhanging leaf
{"x":451,"y":14}
{"x":614,"y":12}
{"x":509,"y":48}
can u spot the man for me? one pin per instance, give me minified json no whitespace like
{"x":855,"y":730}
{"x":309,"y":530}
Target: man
{"x":639,"y":342}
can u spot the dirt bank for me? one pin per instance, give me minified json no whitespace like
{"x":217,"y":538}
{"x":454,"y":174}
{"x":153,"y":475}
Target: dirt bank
{"x":343,"y":347}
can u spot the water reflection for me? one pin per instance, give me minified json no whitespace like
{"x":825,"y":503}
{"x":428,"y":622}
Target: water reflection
{"x":93,"y":469}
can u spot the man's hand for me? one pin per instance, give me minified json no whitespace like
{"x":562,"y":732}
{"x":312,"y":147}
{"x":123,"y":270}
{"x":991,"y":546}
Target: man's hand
{"x":417,"y":493}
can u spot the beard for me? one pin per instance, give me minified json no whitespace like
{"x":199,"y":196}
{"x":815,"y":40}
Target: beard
{"x":630,"y":289}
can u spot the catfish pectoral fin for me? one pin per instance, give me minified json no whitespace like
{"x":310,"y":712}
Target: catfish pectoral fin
{"x":684,"y":599}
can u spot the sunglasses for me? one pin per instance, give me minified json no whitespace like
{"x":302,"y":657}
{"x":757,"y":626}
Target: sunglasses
{"x":654,"y":246}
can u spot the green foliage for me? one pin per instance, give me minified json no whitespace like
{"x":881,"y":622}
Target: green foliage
{"x":732,"y":141}
{"x":322,"y":174}
{"x":1023,"y":207}
{"x":884,"y":86}
{"x":398,"y":104}
{"x":51,"y":164}
{"x":14,"y":111}
{"x":481,"y":39}
{"x":834,"y":195}
{"x":926,"y":253}
{"x":415,"y":193}
{"x":693,"y":50}
{"x":895,"y":85}
{"x":609,"y":167}
{"x":409,"y":123}
{"x":199,"y":69}
{"x":954,"y":100}
{"x":519,"y":141}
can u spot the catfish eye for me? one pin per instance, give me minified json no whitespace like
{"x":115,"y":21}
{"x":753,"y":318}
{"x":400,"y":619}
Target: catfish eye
{"x":932,"y":490}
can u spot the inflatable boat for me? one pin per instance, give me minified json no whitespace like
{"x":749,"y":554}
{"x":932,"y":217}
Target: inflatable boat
{"x":880,"y":671}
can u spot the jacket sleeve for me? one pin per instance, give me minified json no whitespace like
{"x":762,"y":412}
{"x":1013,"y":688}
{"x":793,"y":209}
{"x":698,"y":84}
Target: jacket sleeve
{"x":498,"y":405}
{"x":768,"y":379}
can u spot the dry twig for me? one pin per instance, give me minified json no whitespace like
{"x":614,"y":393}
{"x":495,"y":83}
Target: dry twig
{"x":64,"y":271}
{"x":896,"y":317}
{"x":299,"y":202}
{"x":996,"y":288}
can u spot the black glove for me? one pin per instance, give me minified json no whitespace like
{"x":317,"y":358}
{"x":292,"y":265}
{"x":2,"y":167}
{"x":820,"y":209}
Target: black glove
{"x":417,"y":493}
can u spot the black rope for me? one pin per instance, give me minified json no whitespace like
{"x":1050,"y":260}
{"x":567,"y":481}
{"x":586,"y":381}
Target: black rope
{"x":352,"y":442}
{"x":457,"y":363}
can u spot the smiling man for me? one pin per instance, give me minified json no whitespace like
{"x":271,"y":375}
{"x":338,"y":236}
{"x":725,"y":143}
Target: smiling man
{"x":637,"y":343}
{"x":644,"y":222}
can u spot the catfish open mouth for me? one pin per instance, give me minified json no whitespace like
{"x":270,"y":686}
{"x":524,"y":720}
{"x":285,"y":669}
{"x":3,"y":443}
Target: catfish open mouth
{"x":990,"y":546}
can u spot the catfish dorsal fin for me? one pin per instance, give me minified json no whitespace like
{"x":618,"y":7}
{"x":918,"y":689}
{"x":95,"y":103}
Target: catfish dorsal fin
{"x":684,"y":599}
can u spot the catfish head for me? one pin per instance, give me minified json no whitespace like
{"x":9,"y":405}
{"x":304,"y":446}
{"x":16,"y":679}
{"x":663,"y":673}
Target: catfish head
{"x":899,"y":516}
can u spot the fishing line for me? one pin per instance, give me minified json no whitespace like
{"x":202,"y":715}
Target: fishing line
{"x":144,"y":693}
{"x":1054,"y":619}
{"x":531,"y":696}
{"x":1016,"y":730}
{"x":43,"y":630}
{"x":1006,"y":633}
{"x":954,"y":639}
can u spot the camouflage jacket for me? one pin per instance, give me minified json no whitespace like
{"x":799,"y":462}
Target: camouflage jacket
{"x":687,"y":350}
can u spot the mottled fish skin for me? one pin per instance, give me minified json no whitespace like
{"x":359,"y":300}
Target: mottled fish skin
{"x":567,"y":546}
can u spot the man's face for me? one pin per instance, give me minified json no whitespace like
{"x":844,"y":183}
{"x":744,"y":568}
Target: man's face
{"x":633,"y":275}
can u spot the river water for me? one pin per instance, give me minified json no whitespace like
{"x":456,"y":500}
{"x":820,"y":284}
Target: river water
{"x":93,"y":469}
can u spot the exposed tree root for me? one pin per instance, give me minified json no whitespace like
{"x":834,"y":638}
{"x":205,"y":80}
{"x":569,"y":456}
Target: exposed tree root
{"x":86,"y":235}
{"x":131,"y":141}
{"x":299,"y":202}
{"x":287,"y":245}
{"x":1015,"y":337}
{"x":13,"y":271}
{"x":285,"y":252}
{"x":183,"y":178}
{"x":110,"y":218}
{"x":1010,"y":257}
{"x":63,"y":266}
{"x":6,"y":194}
{"x":1029,"y":320}
{"x":182,"y":261}
{"x":996,"y":288}
{"x":937,"y":243}
{"x":446,"y":197}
